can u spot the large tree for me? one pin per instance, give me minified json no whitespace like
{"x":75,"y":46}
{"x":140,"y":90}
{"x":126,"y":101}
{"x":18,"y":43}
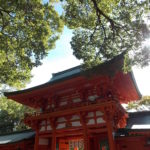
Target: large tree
{"x":106,"y":28}
{"x":102,"y":30}
{"x":28,"y":30}
{"x":12,"y":115}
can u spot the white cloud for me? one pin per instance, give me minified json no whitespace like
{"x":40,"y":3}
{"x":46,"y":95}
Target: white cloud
{"x":44,"y":72}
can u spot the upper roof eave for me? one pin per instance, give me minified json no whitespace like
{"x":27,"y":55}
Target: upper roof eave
{"x":104,"y":68}
{"x":7,"y":94}
{"x":135,"y":84}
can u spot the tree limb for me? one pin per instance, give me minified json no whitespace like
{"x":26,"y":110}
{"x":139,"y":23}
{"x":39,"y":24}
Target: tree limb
{"x":99,"y":12}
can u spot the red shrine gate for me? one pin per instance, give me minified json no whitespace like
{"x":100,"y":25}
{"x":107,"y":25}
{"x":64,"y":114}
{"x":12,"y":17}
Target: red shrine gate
{"x":79,"y":109}
{"x":86,"y":123}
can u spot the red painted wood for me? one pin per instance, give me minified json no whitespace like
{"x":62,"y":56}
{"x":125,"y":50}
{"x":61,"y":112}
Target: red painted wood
{"x":58,"y":100}
{"x":63,"y":144}
{"x":82,"y":86}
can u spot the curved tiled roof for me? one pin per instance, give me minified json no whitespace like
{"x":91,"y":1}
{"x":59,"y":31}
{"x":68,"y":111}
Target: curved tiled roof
{"x":108,"y":67}
{"x":16,"y":136}
{"x":123,"y":82}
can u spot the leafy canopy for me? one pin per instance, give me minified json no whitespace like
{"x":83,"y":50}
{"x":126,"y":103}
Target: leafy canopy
{"x":11,"y":115}
{"x":28,"y":30}
{"x":104,"y":29}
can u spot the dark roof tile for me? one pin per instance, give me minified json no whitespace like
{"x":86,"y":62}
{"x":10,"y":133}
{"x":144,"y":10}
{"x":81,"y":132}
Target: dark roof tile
{"x":16,"y":137}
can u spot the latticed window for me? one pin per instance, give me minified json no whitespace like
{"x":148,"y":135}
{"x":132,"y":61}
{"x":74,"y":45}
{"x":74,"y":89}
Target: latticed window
{"x":76,"y":144}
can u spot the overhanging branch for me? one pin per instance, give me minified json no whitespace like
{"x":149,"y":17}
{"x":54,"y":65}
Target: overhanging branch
{"x":100,"y":13}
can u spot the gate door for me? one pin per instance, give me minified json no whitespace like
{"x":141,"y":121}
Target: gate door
{"x":104,"y":145}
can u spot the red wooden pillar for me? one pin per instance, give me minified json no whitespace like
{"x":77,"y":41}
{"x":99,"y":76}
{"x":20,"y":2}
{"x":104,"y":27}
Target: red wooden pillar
{"x":108,"y":117}
{"x":35,"y":125}
{"x":85,"y":134}
{"x":86,"y":139}
{"x":36,"y":144}
{"x":53,"y":141}
{"x":110,"y":135}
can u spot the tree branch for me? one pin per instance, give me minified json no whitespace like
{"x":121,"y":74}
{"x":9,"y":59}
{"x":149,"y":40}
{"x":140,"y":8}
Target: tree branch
{"x":3,"y":10}
{"x":6,"y":11}
{"x":99,"y":12}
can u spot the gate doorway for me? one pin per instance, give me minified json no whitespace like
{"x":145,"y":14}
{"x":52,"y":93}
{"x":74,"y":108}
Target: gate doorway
{"x":104,"y":145}
{"x":71,"y":144}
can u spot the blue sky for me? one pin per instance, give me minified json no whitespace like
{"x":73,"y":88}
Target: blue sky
{"x":63,"y":48}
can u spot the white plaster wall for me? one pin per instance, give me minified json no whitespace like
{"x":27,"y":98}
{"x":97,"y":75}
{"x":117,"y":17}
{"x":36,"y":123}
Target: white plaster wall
{"x":61,"y":119}
{"x":77,"y":100}
{"x":43,"y":141}
{"x":98,"y":113}
{"x":100,"y":120}
{"x":90,"y":114}
{"x":92,"y":97}
{"x":76,"y":124}
{"x":91,"y":122}
{"x":61,"y":125}
{"x":42,"y":128}
{"x":49,"y":127}
{"x":63,"y":103}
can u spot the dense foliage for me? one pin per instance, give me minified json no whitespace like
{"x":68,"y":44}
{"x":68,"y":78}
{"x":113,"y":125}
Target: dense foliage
{"x":28,"y":30}
{"x":11,"y":115}
{"x":104,"y":29}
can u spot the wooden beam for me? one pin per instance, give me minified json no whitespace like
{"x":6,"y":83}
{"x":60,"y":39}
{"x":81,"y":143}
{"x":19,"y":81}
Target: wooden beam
{"x":101,"y":130}
{"x":75,"y":132}
{"x":69,"y":111}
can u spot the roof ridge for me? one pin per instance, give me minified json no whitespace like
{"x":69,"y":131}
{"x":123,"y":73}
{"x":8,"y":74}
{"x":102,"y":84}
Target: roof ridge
{"x":67,"y":70}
